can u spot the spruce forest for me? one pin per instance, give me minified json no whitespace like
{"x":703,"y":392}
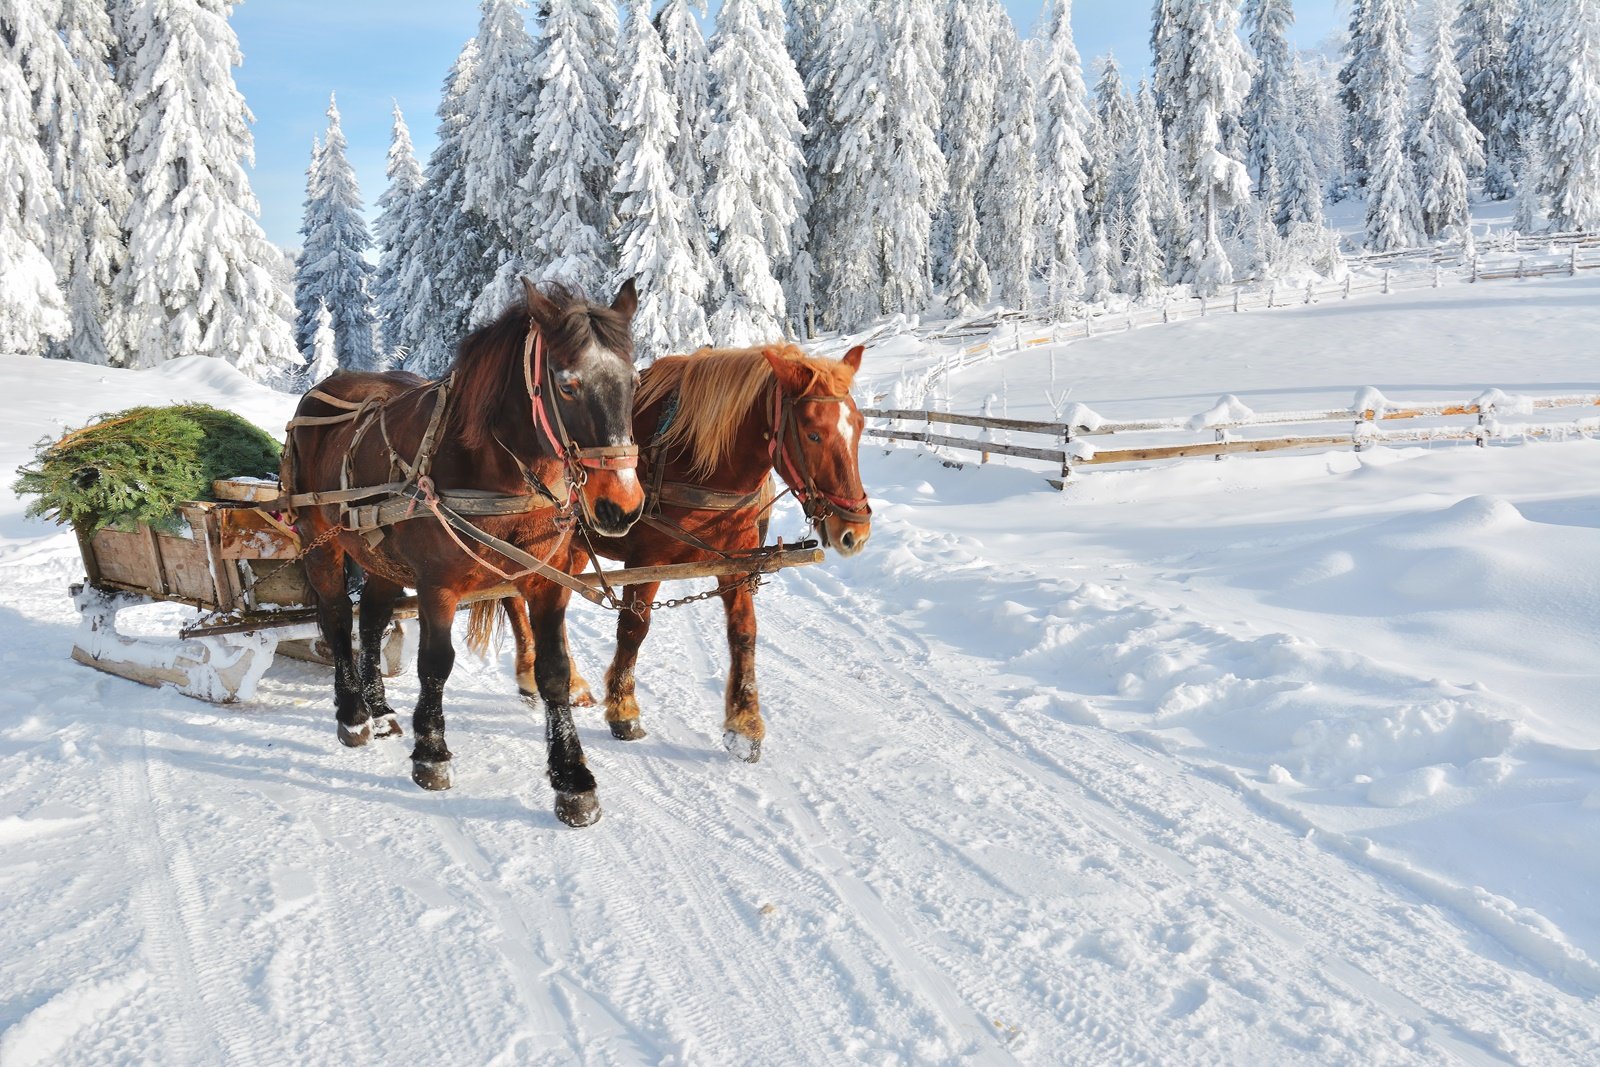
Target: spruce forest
{"x":782,"y":168}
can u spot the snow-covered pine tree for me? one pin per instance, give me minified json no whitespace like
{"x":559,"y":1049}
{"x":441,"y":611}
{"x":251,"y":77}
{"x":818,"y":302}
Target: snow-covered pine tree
{"x":1298,"y":184}
{"x":688,"y":81}
{"x":198,"y":281}
{"x":305,"y":301}
{"x":1097,"y":266}
{"x":753,"y":157}
{"x":33,"y":311}
{"x":971,"y":77}
{"x":1168,"y":217}
{"x":569,"y":174}
{"x":1143,"y":264}
{"x":395,"y":206}
{"x":1202,"y":75}
{"x":333,"y":268}
{"x":911,"y":169}
{"x":1006,"y":196}
{"x":324,"y":354}
{"x":1445,"y":145}
{"x":1377,"y":91}
{"x":1115,"y":131}
{"x":1483,"y":56}
{"x":652,"y":237}
{"x":1269,"y":117}
{"x":67,"y":49}
{"x":1062,"y":120}
{"x":1529,"y":215}
{"x":444,"y":266}
{"x":1570,"y":133}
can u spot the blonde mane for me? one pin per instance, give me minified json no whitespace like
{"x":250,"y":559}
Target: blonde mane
{"x":717,"y":388}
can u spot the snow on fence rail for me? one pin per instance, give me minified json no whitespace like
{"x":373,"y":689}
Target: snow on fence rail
{"x":1367,"y":414}
{"x":1565,"y":255}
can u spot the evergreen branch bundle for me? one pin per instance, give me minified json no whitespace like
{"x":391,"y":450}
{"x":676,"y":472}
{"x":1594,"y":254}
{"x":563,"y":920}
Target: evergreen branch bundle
{"x":137,"y":466}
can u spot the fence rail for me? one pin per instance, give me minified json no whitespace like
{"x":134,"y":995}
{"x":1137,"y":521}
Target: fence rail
{"x":1366,"y":417}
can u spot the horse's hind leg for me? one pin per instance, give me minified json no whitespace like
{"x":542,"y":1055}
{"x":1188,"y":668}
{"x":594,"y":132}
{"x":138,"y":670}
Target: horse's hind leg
{"x":743,"y":727}
{"x":622,"y":706}
{"x":325,"y":570}
{"x":378,"y":596}
{"x":430,"y":757}
{"x":576,"y":803}
{"x":522,"y":634}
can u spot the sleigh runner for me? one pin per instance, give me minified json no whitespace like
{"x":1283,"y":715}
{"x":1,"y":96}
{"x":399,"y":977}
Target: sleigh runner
{"x":239,"y":564}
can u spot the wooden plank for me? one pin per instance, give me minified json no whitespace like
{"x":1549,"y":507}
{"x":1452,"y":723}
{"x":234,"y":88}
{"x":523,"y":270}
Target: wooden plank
{"x":253,"y":533}
{"x":1054,"y":455}
{"x":246,"y":490}
{"x":1211,"y":448}
{"x":156,"y":573}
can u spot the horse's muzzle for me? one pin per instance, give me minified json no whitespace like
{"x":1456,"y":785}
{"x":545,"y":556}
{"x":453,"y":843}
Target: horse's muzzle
{"x":614,"y":500}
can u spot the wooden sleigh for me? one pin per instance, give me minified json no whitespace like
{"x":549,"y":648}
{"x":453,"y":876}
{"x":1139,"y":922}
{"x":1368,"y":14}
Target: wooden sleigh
{"x":240,"y":565}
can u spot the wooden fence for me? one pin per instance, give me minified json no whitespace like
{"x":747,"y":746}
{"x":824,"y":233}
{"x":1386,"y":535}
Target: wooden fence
{"x":1004,"y":333}
{"x":1078,"y":435}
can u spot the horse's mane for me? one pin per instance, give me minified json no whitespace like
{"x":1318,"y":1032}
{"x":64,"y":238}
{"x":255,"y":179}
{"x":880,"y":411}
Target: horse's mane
{"x":717,"y":388}
{"x":488,"y":363}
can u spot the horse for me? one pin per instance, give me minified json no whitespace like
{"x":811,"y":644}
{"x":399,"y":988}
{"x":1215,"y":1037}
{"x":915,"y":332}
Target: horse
{"x":528,"y":434}
{"x":718,"y":424}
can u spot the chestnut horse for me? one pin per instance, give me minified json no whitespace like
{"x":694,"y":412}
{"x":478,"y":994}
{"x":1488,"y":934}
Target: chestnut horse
{"x":717,"y":425}
{"x":528,"y":433}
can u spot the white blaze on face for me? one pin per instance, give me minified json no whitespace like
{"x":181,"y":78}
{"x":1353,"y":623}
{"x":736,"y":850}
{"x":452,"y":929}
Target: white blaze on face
{"x":846,"y":431}
{"x":626,"y":477}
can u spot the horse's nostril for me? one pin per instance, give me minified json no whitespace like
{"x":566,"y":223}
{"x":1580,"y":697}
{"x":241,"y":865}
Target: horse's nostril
{"x":608,"y":514}
{"x":848,"y":540}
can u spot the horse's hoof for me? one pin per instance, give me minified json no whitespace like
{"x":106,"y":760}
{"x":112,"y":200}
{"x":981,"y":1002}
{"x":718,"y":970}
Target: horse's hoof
{"x":387,"y":726}
{"x":578,"y":809}
{"x":626,"y":729}
{"x":742,"y":747}
{"x":430,"y":775}
{"x":355,"y":736}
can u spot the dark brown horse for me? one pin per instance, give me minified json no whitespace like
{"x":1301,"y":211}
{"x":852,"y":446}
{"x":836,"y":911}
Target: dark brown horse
{"x":716,"y":425}
{"x":528,"y":433}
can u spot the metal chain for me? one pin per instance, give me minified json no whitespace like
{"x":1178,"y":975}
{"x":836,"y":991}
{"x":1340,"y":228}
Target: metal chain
{"x":639,"y":607}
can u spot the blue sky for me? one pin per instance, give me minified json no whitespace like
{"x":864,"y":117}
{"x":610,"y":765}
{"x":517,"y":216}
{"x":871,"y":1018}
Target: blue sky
{"x":372,"y":53}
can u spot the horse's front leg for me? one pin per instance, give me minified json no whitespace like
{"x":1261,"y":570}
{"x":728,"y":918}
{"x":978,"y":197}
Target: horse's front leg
{"x":743,"y":727}
{"x":430,"y":757}
{"x":378,"y":596}
{"x":622,"y":707}
{"x":522,"y":635}
{"x":576,"y":803}
{"x":324,"y":567}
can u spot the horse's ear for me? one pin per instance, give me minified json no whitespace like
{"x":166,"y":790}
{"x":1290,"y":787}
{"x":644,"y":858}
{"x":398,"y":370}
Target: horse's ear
{"x":852,"y":358}
{"x":539,"y":306}
{"x":790,"y":379}
{"x":627,"y":301}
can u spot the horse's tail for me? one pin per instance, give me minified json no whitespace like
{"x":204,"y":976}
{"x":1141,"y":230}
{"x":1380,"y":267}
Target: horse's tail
{"x":484,"y":624}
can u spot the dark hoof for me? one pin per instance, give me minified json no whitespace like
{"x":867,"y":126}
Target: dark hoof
{"x":387,"y":726}
{"x":578,"y":809}
{"x":355,"y":736}
{"x":430,"y":775}
{"x":626,"y":729}
{"x":742,"y":747}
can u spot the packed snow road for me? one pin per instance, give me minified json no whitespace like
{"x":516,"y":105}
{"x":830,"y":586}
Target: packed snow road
{"x":936,"y":861}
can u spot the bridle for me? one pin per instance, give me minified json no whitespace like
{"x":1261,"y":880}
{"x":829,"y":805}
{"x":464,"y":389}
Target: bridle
{"x":791,"y":462}
{"x":539,"y":378}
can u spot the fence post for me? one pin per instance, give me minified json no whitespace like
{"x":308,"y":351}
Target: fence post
{"x":1474,"y":268}
{"x":1347,"y":278}
{"x":1436,"y":274}
{"x":1386,"y":281}
{"x":1202,"y":306}
{"x":1165,"y":301}
{"x":1308,"y":290}
{"x":1236,"y":300}
{"x":1572,"y":263}
{"x":1520,"y":261}
{"x":1272,"y":290}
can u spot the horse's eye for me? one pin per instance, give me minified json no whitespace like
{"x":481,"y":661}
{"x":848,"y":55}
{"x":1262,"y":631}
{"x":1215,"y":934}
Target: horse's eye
{"x":814,"y":436}
{"x":568,"y":389}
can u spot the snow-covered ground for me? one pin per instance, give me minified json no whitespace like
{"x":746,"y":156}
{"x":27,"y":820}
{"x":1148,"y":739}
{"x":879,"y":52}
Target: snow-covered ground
{"x":1276,"y":760}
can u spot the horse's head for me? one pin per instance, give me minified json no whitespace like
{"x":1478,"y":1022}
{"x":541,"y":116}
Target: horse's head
{"x":580,"y":379}
{"x":816,"y":446}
